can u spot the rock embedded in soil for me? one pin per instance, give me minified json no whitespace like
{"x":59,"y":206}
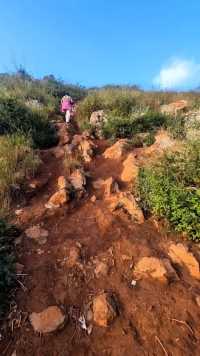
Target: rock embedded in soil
{"x":101,"y":269}
{"x":58,"y":199}
{"x":151,"y":266}
{"x":198,"y":300}
{"x":37,"y":233}
{"x":86,"y":147}
{"x":48,"y":320}
{"x":93,"y":199}
{"x":73,"y":257}
{"x":78,"y":180}
{"x":117,"y":150}
{"x":110,"y":186}
{"x":62,"y":183}
{"x":104,"y":309}
{"x":180,"y":254}
{"x":130,"y":169}
{"x":128,"y":203}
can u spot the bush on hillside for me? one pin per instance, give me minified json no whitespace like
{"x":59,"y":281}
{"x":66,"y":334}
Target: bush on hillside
{"x":171,"y":189}
{"x":127,"y":127}
{"x":17,"y":161}
{"x":141,"y":140}
{"x":14,"y":116}
{"x":120,"y":101}
{"x":7,"y":264}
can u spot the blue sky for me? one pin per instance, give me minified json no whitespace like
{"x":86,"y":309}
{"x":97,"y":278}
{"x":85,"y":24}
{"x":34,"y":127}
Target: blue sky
{"x":94,"y":42}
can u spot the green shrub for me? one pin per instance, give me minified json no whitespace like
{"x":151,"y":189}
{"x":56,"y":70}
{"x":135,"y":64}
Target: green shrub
{"x":14,"y":116}
{"x":141,"y":140}
{"x":127,"y":127}
{"x":17,"y":161}
{"x":119,"y":101}
{"x":176,"y":127}
{"x":7,"y":264}
{"x":171,"y":189}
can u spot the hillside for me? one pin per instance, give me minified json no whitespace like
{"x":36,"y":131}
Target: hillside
{"x":103,"y":255}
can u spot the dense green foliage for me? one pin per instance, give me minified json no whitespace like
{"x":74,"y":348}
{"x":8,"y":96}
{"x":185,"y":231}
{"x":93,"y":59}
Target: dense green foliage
{"x":16,"y":117}
{"x":127,"y":127}
{"x":7,"y":264}
{"x":171,"y":189}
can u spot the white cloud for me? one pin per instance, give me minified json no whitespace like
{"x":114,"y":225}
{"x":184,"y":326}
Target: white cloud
{"x":178,"y":73}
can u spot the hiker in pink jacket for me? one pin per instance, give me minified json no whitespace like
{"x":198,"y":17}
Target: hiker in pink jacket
{"x":67,"y":106}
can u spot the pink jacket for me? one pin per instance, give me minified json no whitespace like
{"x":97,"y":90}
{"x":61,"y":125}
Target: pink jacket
{"x":66,"y":105}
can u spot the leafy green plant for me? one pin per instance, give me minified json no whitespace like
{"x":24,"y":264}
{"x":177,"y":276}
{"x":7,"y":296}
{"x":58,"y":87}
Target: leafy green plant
{"x":171,"y":189}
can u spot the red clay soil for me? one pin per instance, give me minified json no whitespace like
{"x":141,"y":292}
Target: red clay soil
{"x":154,"y":318}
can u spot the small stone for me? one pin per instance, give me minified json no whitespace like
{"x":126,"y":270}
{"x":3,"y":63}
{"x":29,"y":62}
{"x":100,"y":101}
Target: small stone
{"x":110,"y":186}
{"x":198,"y":300}
{"x":101,"y":269}
{"x":62,"y":183}
{"x":126,"y":258}
{"x":58,"y":199}
{"x":73,"y":257}
{"x":19,"y":212}
{"x":48,"y":320}
{"x":78,"y":180}
{"x":133,"y":283}
{"x":104,"y":309}
{"x":86,"y":147}
{"x":93,"y":198}
{"x":38,"y":234}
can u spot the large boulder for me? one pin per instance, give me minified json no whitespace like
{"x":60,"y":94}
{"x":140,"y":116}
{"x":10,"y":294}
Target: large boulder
{"x":104,"y":309}
{"x":48,"y":320}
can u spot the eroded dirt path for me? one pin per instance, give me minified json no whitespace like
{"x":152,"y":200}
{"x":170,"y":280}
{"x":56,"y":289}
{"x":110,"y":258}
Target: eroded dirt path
{"x":90,"y":249}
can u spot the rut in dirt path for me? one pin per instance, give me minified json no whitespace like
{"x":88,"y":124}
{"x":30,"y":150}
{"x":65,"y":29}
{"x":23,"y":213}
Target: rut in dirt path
{"x":122,"y":285}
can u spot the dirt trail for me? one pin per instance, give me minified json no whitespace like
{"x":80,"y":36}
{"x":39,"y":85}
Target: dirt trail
{"x":155,"y":317}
